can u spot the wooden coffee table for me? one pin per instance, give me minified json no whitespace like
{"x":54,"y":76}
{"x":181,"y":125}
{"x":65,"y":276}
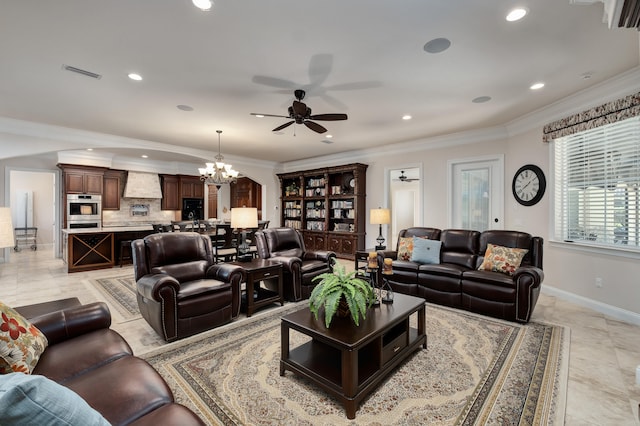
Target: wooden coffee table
{"x":349,"y":361}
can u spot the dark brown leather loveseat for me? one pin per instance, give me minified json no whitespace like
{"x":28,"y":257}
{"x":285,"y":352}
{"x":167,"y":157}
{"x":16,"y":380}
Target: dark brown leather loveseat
{"x":86,"y":356}
{"x":456,"y":281}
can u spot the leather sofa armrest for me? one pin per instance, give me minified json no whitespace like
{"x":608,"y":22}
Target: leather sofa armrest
{"x":150,"y":285}
{"x":323,"y":255}
{"x":387,"y":253}
{"x":288,"y":263}
{"x":68,"y":323}
{"x":535,"y":275}
{"x":226,"y":273}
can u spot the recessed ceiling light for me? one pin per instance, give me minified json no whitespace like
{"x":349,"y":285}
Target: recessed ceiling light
{"x":185,"y":107}
{"x":89,"y":149}
{"x":259,"y":115}
{"x":437,"y":45}
{"x":203,"y":4}
{"x":481,"y":99}
{"x":536,"y":86}
{"x":134,"y":76}
{"x":406,"y":117}
{"x":144,"y":156}
{"x":516,"y":14}
{"x":328,"y":136}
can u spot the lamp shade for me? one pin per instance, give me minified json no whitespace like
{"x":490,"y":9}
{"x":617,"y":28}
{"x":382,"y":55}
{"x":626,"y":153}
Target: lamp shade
{"x":6,"y":228}
{"x":380,"y":216}
{"x":244,"y":217}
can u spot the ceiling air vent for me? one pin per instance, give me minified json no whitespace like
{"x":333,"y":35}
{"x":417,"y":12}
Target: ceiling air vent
{"x":81,"y":71}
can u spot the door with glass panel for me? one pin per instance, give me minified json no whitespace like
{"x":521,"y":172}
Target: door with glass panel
{"x":476,"y":189}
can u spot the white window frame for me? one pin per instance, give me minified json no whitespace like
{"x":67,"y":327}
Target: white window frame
{"x":601,"y":240}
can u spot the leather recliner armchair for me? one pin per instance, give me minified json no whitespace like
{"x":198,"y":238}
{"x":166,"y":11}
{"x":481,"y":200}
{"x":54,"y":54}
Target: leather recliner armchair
{"x":180,"y":290}
{"x":299,"y":266}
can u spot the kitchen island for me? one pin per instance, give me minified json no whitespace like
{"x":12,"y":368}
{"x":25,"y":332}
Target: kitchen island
{"x":86,"y":249}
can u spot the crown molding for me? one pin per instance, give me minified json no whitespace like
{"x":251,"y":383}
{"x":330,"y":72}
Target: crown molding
{"x":617,"y":87}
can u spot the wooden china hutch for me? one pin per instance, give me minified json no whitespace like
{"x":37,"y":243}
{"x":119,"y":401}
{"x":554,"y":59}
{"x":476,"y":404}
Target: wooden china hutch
{"x":328,"y":206}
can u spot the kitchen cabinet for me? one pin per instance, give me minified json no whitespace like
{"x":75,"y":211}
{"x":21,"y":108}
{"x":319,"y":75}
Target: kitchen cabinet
{"x":112,"y":189}
{"x":191,"y":187}
{"x":82,"y":180}
{"x":170,"y":192}
{"x":328,"y":206}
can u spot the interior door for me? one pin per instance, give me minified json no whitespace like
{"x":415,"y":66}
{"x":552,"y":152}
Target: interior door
{"x":476,"y":187}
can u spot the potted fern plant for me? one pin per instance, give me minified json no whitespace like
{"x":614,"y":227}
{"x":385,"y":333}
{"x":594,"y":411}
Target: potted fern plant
{"x":341,"y":287}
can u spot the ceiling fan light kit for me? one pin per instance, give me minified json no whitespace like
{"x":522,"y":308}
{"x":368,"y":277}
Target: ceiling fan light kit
{"x":300,"y":113}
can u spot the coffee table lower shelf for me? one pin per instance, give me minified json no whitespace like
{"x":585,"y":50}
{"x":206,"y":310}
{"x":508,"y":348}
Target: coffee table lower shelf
{"x":351,"y":372}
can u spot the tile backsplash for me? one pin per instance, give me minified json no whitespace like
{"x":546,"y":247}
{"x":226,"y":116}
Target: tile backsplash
{"x":128,"y":206}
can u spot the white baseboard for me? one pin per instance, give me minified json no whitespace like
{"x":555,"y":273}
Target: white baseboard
{"x":603,"y":308}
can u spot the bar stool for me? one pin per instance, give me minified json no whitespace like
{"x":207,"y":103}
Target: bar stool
{"x":125,"y":246}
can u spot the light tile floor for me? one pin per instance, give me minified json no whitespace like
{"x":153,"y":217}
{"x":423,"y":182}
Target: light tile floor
{"x":603,"y":357}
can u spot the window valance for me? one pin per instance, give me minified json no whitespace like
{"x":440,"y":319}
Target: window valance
{"x":608,"y":113}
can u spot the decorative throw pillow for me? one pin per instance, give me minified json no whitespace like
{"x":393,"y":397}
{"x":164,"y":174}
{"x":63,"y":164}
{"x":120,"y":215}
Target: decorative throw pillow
{"x":426,"y":251}
{"x":502,"y":259}
{"x":405,"y":248}
{"x":21,"y":343}
{"x":36,"y":400}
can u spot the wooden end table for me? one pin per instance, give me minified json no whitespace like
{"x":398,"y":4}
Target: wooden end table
{"x":258,"y":270}
{"x":349,"y":361}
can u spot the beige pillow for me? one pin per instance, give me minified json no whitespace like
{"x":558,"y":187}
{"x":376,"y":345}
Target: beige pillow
{"x":405,"y":248}
{"x":21,"y":343}
{"x":502,"y":259}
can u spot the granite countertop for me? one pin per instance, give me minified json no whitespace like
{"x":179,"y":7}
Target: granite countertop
{"x":114,"y":228}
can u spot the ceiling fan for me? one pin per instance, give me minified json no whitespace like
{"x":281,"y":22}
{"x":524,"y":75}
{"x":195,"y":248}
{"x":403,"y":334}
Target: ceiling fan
{"x":405,"y":178}
{"x":300,"y":113}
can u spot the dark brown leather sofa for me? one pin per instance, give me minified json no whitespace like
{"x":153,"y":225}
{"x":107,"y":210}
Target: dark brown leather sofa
{"x":456,"y":280}
{"x":86,"y":356}
{"x":299,"y":266}
{"x":180,"y":290}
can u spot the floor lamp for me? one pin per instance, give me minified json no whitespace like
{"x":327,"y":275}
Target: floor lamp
{"x":243,"y":218}
{"x":380,"y":217}
{"x":6,"y":228}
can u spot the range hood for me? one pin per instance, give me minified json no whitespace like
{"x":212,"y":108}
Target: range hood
{"x":142,"y":185}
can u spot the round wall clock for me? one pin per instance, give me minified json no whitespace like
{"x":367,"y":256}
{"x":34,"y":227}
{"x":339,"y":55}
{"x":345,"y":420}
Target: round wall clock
{"x":528,"y":185}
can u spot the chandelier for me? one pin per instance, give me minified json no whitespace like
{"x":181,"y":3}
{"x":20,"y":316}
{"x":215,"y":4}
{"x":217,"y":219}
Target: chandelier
{"x":218,"y":173}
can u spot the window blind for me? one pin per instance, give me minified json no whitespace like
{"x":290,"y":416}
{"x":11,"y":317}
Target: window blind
{"x":597,"y":185}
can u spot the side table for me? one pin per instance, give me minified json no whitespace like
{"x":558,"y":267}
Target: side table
{"x":362,"y":256}
{"x":256,"y":296}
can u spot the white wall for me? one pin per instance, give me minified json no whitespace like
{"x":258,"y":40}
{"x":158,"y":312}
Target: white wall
{"x":41,"y":184}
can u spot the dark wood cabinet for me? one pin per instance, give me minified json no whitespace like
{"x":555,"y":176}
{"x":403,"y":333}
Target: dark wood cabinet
{"x":82,"y":180}
{"x":112,"y":189}
{"x":328,"y":205}
{"x":245,"y":192}
{"x":170,"y":192}
{"x":191,"y":187}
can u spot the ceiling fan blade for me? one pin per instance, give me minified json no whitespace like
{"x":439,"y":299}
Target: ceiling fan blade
{"x":274,"y":82}
{"x":329,"y":117}
{"x":314,"y":126}
{"x":299,"y":108}
{"x":320,"y":67}
{"x":283,"y":126}
{"x":269,"y":115}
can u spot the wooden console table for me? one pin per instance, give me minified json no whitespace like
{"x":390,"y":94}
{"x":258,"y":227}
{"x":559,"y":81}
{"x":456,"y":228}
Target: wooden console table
{"x":349,"y":361}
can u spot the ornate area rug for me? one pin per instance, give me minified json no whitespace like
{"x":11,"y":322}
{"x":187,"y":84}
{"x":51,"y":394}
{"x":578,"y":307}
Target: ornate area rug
{"x":475,"y":370}
{"x":120,"y":295}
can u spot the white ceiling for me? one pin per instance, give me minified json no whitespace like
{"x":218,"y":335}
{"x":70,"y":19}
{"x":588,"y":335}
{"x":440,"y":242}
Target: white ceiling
{"x":364,"y":58}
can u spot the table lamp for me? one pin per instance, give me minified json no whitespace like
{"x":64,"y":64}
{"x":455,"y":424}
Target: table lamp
{"x":380,"y":217}
{"x":6,"y":228}
{"x":243,"y":218}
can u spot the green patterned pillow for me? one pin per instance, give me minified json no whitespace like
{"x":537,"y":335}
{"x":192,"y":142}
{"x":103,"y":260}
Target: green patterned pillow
{"x":21,"y":343}
{"x":502,"y":259}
